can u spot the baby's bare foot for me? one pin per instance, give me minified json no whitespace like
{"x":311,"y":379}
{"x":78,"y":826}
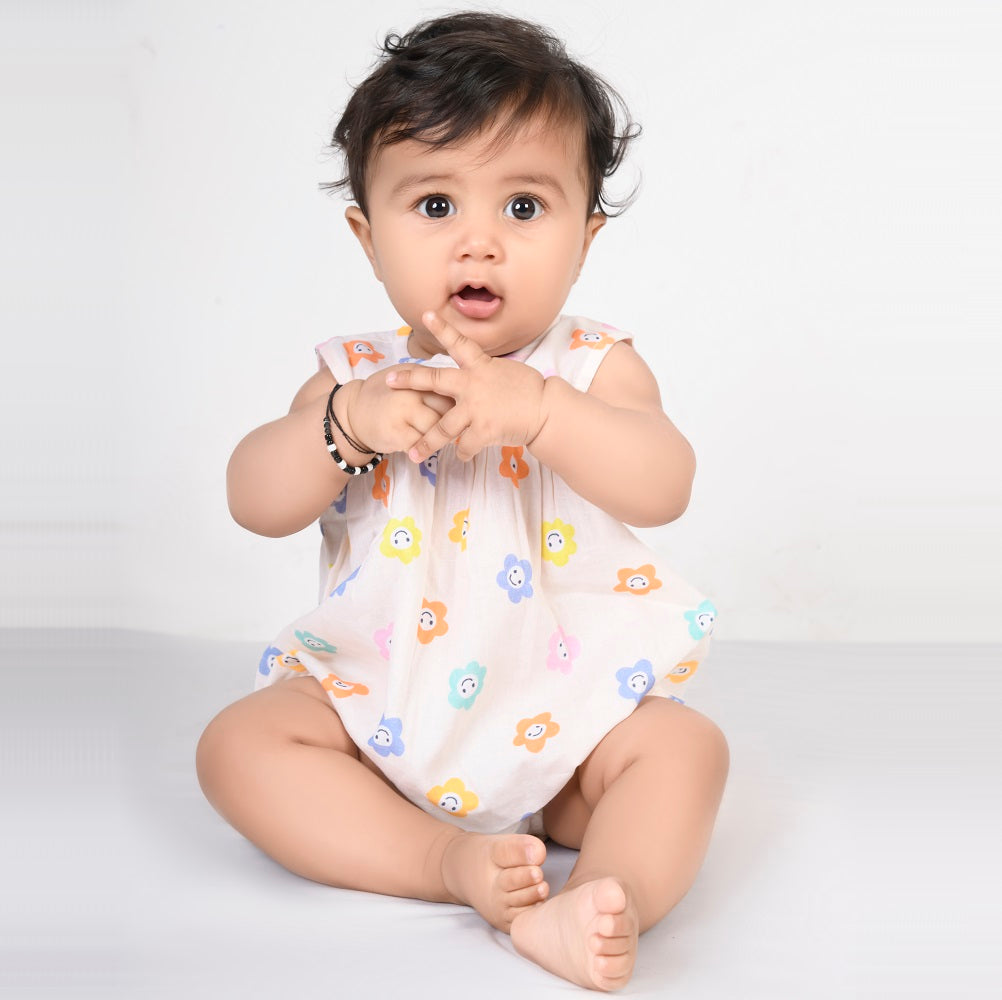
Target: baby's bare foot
{"x":587,"y":934}
{"x":499,"y":876}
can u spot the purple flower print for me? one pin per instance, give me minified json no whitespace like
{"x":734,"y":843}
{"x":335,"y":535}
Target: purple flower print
{"x":516,"y":578}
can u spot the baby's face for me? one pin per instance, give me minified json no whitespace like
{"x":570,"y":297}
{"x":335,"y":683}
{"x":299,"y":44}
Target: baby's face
{"x":492,"y":240}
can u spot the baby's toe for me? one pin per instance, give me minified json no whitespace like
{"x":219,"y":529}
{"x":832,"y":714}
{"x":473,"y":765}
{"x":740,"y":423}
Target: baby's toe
{"x":527,"y":897}
{"x":510,"y":879}
{"x":601,"y":945}
{"x":517,"y":851}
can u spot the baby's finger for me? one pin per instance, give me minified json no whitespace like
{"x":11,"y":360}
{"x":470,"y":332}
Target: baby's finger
{"x":447,"y":429}
{"x":465,"y":352}
{"x":443,"y":381}
{"x":440,"y":404}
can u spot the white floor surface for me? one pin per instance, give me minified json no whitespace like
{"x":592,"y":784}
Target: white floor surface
{"x":856,"y":852}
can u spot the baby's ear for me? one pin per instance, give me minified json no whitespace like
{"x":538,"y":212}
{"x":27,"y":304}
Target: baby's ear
{"x":363,"y":233}
{"x":595,"y":222}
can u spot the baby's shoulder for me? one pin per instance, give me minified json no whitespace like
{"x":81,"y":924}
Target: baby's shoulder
{"x":574,"y":348}
{"x":351,"y":357}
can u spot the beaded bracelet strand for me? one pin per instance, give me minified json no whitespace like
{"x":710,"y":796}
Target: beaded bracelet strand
{"x":352,"y":470}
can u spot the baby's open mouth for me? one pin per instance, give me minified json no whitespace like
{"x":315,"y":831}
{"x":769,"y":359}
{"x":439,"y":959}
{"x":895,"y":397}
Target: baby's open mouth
{"x":468,"y":292}
{"x":475,"y":303}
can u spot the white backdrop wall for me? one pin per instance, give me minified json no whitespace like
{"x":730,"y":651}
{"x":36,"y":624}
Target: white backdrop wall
{"x":812,"y":270}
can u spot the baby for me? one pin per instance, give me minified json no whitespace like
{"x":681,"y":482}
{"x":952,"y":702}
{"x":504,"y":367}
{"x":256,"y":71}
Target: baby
{"x":496,"y":659}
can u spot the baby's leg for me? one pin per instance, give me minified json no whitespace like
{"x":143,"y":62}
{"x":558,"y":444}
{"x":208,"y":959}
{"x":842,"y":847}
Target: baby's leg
{"x":280,"y":768}
{"x":641,"y":809}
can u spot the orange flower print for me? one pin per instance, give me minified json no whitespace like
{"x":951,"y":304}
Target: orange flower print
{"x":381,"y":483}
{"x":338,"y":688}
{"x":593,"y":339}
{"x":682,"y":671}
{"x":361,"y":350}
{"x":512,"y":466}
{"x":460,"y":528}
{"x":533,"y":733}
{"x":431,"y":621}
{"x":453,"y":797}
{"x":637,"y":581}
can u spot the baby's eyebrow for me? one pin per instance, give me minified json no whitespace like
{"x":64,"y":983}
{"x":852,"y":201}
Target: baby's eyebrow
{"x":536,"y":180}
{"x":418,"y":181}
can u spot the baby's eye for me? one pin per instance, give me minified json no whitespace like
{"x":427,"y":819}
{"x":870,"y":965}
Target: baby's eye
{"x":523,"y":207}
{"x":435,"y":206}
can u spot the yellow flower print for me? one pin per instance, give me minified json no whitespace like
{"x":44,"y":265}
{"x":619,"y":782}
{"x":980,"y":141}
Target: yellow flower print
{"x":682,"y":671}
{"x":431,"y":621}
{"x":453,"y":797}
{"x":338,"y":688}
{"x":533,"y":733}
{"x":460,"y":528}
{"x":400,"y":539}
{"x":558,"y":542}
{"x":404,"y":331}
{"x":641,"y":580}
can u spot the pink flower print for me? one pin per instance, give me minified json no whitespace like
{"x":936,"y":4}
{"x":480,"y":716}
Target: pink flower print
{"x":563,"y":651}
{"x":383,"y":638}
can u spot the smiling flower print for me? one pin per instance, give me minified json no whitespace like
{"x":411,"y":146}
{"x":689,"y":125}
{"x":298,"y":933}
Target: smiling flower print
{"x":400,"y":539}
{"x":641,"y":580}
{"x":386,"y":739}
{"x":513,"y":466}
{"x":593,"y":339}
{"x":701,"y":620}
{"x":314,"y":642}
{"x":636,"y":681}
{"x":558,"y":542}
{"x":460,"y":530}
{"x":453,"y":797}
{"x":533,"y":733}
{"x":361,"y":350}
{"x":338,"y":688}
{"x":563,"y":651}
{"x":431,"y":621}
{"x":465,"y":683}
{"x":516,"y":578}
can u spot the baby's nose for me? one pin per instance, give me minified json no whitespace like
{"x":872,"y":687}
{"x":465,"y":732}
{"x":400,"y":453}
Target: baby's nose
{"x":480,"y":239}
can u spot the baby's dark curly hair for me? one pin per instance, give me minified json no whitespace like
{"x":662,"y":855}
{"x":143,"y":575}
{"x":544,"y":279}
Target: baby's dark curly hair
{"x":449,"y":78}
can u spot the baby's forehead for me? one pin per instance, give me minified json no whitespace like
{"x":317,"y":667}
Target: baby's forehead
{"x":497,"y":138}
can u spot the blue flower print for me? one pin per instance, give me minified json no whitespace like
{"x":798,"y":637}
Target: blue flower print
{"x":338,"y":591}
{"x":405,"y":360}
{"x":636,"y":681}
{"x":314,"y":642}
{"x":429,"y":468}
{"x":466,"y":683}
{"x":701,"y":620}
{"x":341,"y":503}
{"x":386,"y":739}
{"x":516,"y":578}
{"x":268,"y":660}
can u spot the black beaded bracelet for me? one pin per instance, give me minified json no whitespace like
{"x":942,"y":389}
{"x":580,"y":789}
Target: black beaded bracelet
{"x":352,"y":470}
{"x":337,"y":423}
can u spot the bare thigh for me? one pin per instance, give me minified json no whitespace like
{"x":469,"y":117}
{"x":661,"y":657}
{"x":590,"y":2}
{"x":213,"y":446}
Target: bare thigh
{"x":296,"y":710}
{"x":658,"y":728}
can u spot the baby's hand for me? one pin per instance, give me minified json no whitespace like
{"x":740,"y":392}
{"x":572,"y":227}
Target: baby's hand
{"x":497,"y":401}
{"x":388,"y":420}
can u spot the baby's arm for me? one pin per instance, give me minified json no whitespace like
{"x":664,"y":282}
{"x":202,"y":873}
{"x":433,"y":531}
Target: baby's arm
{"x":281,"y":477}
{"x":613,"y":445}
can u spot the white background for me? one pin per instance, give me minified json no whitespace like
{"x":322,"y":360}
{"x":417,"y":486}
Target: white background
{"x":812,"y":269}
